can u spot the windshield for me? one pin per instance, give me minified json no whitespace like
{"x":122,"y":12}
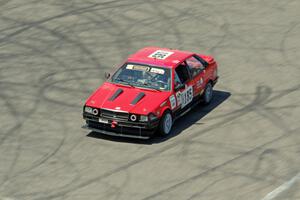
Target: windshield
{"x":143,"y":76}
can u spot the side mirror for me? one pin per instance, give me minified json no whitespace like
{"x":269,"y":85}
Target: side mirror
{"x":179,"y":87}
{"x":107,"y":75}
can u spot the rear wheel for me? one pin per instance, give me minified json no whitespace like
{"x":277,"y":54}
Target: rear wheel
{"x":166,"y":123}
{"x":208,"y":93}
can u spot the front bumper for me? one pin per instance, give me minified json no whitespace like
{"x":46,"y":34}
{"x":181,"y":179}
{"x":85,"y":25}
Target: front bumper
{"x":122,"y":128}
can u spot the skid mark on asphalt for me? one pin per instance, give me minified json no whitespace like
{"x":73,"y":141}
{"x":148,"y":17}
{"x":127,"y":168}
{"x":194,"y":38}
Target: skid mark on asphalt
{"x":165,"y":23}
{"x":256,"y":106}
{"x":230,"y":117}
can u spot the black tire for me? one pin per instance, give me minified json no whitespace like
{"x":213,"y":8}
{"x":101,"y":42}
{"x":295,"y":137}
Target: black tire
{"x":208,"y":93}
{"x":167,"y":118}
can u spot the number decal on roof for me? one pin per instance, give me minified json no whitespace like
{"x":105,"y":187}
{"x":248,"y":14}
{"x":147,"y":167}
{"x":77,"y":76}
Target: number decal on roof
{"x":160,"y":54}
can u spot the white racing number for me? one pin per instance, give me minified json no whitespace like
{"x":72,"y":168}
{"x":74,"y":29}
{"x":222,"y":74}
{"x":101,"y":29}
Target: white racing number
{"x":185,"y":97}
{"x":160,"y":54}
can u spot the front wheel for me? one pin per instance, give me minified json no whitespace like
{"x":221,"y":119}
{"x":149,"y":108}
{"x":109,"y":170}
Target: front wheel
{"x":208,"y":93}
{"x":166,"y":123}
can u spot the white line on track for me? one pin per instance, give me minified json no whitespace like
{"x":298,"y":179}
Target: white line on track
{"x":285,"y":186}
{"x":5,"y":198}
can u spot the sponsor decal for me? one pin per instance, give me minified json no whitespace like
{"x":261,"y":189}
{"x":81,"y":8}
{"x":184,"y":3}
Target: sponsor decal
{"x":145,"y":68}
{"x":160,"y":54}
{"x":157,"y":70}
{"x":138,"y":67}
{"x":172,"y":102}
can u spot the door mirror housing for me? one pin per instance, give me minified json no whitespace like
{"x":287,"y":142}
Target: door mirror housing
{"x":107,"y":75}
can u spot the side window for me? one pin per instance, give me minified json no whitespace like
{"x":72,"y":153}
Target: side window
{"x":177,"y":80}
{"x":195,"y":65}
{"x":183,"y":73}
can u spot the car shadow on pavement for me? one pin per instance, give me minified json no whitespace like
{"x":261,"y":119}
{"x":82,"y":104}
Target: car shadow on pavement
{"x":179,"y":126}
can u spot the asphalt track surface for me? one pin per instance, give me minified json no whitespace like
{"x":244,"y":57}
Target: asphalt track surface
{"x":244,"y":146}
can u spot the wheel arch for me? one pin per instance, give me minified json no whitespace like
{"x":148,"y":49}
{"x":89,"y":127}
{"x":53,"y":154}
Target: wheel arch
{"x":166,"y":109}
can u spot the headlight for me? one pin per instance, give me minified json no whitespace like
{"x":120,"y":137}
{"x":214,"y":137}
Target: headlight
{"x":95,"y":111}
{"x":143,"y":118}
{"x":152,"y":117}
{"x":88,"y":109}
{"x":133,"y":118}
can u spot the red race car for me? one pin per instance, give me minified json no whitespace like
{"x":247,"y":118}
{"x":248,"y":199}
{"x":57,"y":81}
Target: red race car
{"x":153,"y":88}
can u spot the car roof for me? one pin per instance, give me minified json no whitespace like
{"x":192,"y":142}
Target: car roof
{"x":163,"y":57}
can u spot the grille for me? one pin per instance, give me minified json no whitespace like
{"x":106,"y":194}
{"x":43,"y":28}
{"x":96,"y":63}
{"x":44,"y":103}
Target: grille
{"x":108,"y":114}
{"x":120,"y":129}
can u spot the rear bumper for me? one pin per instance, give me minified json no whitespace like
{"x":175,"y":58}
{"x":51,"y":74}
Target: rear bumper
{"x":122,"y":129}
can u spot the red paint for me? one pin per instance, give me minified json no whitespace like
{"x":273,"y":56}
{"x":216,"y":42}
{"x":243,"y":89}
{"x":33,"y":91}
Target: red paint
{"x":152,"y":101}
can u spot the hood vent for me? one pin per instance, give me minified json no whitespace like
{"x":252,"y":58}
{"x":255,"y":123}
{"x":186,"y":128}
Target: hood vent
{"x":116,"y":94}
{"x":138,"y":98}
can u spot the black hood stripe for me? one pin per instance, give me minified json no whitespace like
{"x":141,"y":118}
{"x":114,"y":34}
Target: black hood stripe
{"x":138,"y":98}
{"x":116,"y":94}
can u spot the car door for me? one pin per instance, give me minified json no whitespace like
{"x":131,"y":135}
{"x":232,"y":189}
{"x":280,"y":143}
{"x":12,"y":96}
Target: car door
{"x":183,"y":86}
{"x":197,"y":68}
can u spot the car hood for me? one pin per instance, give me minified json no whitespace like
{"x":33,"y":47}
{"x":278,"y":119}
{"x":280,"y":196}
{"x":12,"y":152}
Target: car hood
{"x":126,"y":98}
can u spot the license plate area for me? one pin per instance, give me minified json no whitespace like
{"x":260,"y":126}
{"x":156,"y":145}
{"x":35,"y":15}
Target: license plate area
{"x":101,"y":120}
